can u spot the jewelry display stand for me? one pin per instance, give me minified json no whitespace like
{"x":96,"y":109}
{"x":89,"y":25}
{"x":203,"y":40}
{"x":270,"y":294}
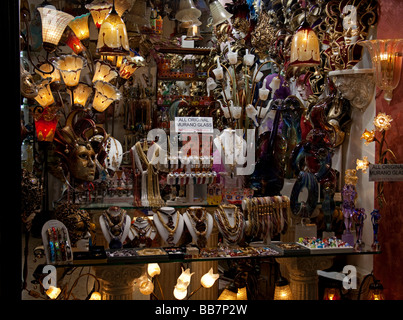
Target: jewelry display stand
{"x":53,"y":242}
{"x":200,"y":225}
{"x":170,"y":235}
{"x":230,"y":224}
{"x":124,"y":228}
{"x":143,"y":231}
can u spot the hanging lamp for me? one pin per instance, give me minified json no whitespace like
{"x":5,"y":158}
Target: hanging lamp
{"x":112,"y":37}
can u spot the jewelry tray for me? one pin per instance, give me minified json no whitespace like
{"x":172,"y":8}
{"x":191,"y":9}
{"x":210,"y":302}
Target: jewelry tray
{"x":289,"y":248}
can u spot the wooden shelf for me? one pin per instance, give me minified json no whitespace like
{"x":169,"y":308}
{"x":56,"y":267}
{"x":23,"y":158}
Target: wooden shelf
{"x":180,"y":50}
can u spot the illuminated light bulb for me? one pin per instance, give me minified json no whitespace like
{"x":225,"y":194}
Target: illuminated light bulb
{"x":53,"y":292}
{"x":153,"y":269}
{"x":208,"y":279}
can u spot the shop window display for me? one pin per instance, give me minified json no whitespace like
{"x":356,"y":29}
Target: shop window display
{"x":250,"y":163}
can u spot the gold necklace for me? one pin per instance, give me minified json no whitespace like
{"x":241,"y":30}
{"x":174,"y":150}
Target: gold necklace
{"x":199,"y":225}
{"x":170,"y":231}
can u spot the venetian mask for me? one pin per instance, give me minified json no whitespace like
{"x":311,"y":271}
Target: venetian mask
{"x":82,"y":163}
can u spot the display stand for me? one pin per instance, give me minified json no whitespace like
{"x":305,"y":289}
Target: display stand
{"x":193,"y":218}
{"x":56,"y":242}
{"x":170,"y":235}
{"x":115,"y":241}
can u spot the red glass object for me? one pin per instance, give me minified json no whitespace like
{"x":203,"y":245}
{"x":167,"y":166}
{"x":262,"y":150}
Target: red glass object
{"x":74,"y":43}
{"x":45,"y":124}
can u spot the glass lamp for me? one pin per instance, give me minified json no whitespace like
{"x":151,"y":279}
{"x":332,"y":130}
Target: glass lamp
{"x":305,"y":47}
{"x":105,"y":94}
{"x":332,"y":293}
{"x":79,"y":25}
{"x":96,"y":296}
{"x":53,"y":292}
{"x":386,"y":56}
{"x":74,"y":42}
{"x":45,"y":96}
{"x":179,"y":293}
{"x":104,"y":72}
{"x":53,"y":24}
{"x":81,"y":94}
{"x":187,"y":11}
{"x":45,"y":123}
{"x":153,"y":269}
{"x":70,"y":67}
{"x":208,"y":279}
{"x":376,"y":291}
{"x":129,"y":65}
{"x":218,"y":13}
{"x":146,"y":287}
{"x":229,"y":293}
{"x":99,"y":9}
{"x":49,"y":71}
{"x":112,"y":37}
{"x":282,"y":290}
{"x":193,"y":33}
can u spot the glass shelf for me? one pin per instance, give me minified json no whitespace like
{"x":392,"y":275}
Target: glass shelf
{"x":367,"y":250}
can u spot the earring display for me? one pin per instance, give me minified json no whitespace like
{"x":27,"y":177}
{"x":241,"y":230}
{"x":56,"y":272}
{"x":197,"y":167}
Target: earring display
{"x":56,"y":242}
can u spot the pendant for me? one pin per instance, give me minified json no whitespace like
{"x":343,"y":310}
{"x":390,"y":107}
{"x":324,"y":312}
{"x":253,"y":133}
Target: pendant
{"x":115,"y":244}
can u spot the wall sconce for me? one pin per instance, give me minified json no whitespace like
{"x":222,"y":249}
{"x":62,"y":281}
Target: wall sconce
{"x":53,"y":24}
{"x":282,"y":290}
{"x":105,"y":94}
{"x":79,"y":25}
{"x":104,"y":72}
{"x":386,"y":56}
{"x":187,"y":11}
{"x":304,"y":47}
{"x":70,"y":67}
{"x":218,"y":13}
{"x":80,"y":94}
{"x":46,"y":120}
{"x":99,"y":9}
{"x":112,"y":37}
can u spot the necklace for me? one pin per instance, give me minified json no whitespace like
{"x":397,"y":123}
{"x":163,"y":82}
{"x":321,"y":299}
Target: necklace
{"x":115,"y":227}
{"x":170,"y":227}
{"x":199,"y":224}
{"x":231,"y":233}
{"x":141,"y":234}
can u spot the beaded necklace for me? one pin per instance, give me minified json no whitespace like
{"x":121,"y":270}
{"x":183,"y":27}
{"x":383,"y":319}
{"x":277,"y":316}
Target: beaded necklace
{"x":231,"y":233}
{"x":171,"y":231}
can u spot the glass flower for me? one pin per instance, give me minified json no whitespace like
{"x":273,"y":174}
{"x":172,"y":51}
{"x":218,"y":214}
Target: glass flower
{"x":362,"y":164}
{"x":368,"y":136}
{"x":382,"y":121}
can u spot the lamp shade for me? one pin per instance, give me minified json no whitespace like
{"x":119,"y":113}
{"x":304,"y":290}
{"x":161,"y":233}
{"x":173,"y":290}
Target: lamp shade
{"x":218,"y":13}
{"x":187,"y":11}
{"x":104,"y":72}
{"x":45,"y":96}
{"x":96,"y":296}
{"x":153,"y":269}
{"x":79,"y":25}
{"x":332,"y":294}
{"x":190,"y":23}
{"x":242,"y":294}
{"x":99,"y":9}
{"x":45,"y":123}
{"x":53,"y":24}
{"x":112,"y":37}
{"x":105,"y":94}
{"x":208,"y":279}
{"x":146,"y":287}
{"x":70,"y":67}
{"x":304,"y":47}
{"x":81,"y":94}
{"x":282,"y":290}
{"x":129,"y":65}
{"x":386,"y":56}
{"x":180,"y":294}
{"x":48,"y":71}
{"x":228,"y":294}
{"x":74,"y":42}
{"x":53,"y":292}
{"x":376,"y":291}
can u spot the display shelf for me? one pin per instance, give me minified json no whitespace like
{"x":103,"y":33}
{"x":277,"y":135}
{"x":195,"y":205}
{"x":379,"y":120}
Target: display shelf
{"x":367,"y":250}
{"x":180,"y":50}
